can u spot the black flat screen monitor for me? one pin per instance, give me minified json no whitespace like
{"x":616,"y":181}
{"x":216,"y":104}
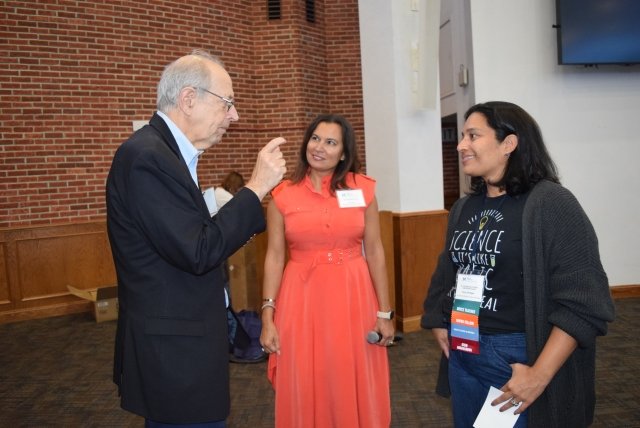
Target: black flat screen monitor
{"x":592,"y":32}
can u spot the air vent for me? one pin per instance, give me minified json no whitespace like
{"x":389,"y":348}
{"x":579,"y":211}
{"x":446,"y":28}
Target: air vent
{"x":273,"y":9}
{"x":311,"y":10}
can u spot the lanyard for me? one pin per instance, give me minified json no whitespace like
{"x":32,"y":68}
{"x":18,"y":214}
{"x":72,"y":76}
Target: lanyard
{"x":465,"y":313}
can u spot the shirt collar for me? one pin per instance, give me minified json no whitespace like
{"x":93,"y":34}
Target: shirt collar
{"x":188,"y":151}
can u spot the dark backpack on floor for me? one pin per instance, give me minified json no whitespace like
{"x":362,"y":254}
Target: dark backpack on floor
{"x":244,"y":337}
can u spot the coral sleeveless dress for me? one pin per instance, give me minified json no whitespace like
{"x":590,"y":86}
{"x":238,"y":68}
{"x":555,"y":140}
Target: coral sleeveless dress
{"x":327,"y":375}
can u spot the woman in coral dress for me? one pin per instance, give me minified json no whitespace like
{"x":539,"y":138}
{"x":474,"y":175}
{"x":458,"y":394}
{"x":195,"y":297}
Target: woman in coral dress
{"x":318,"y":311}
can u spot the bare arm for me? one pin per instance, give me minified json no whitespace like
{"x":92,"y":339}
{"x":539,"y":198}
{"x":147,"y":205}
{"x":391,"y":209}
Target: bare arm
{"x":374,"y":252}
{"x":273,"y":267}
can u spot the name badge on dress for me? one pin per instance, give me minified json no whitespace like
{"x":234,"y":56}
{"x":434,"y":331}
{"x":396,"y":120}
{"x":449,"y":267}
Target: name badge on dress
{"x":350,"y":198}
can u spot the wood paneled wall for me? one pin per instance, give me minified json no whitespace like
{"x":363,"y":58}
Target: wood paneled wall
{"x":418,"y":240}
{"x":37,"y":264}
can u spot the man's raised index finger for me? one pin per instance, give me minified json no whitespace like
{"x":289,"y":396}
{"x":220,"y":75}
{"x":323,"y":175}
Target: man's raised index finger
{"x":274,"y":144}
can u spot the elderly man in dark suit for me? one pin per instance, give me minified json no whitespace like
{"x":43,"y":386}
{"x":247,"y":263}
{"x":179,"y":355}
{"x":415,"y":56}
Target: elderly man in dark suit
{"x":171,"y":352}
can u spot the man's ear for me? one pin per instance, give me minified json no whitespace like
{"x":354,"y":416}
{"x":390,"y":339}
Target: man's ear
{"x":187,"y":99}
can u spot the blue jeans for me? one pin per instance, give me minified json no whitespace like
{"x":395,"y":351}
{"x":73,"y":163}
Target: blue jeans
{"x":148,"y":423}
{"x":470,"y":375}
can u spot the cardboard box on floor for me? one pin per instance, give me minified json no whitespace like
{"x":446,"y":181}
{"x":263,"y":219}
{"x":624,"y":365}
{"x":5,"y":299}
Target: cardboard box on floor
{"x":105,"y":300}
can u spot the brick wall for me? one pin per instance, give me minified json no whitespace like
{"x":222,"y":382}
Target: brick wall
{"x":74,"y":74}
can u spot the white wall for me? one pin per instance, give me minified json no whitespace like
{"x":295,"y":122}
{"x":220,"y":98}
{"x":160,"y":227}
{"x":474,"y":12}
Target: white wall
{"x":402,"y":121}
{"x":590,"y":118}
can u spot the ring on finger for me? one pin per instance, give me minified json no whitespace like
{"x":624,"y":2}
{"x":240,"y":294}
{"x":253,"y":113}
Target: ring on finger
{"x":514,"y":401}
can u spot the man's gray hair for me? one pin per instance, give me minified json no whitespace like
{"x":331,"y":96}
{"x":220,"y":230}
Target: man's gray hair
{"x":189,"y":70}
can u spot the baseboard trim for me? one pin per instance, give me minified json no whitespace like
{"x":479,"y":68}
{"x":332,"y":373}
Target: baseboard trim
{"x":25,"y":314}
{"x":625,"y":291}
{"x":409,"y":324}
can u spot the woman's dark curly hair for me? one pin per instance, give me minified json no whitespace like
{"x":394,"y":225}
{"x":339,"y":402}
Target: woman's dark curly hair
{"x":530,"y":162}
{"x":351,"y":163}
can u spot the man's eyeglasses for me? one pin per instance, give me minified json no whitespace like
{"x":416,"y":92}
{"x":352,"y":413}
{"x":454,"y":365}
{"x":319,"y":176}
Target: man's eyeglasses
{"x":227,"y":101}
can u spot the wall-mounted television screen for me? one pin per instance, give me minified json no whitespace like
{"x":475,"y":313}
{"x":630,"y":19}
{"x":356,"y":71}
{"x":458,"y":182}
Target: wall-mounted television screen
{"x":592,"y":32}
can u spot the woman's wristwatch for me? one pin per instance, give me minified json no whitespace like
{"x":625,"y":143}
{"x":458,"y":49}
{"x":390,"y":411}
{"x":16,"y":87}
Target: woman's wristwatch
{"x":386,"y":315}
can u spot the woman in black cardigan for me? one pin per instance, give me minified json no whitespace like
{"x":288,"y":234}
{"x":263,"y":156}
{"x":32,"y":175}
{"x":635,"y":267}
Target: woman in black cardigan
{"x":527,"y":246}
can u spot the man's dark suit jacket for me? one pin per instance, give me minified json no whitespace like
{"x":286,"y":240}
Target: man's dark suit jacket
{"x":171,"y":351}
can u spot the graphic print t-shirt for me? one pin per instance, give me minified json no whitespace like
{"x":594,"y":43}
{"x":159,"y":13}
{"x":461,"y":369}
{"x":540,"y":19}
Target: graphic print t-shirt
{"x":488,"y":239}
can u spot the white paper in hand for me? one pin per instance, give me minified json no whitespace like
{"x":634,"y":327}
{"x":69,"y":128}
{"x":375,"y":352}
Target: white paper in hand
{"x":210,"y":199}
{"x":491,"y":416}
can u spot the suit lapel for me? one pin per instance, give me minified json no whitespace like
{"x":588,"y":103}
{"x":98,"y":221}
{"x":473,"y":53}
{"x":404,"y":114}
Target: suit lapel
{"x":161,"y":127}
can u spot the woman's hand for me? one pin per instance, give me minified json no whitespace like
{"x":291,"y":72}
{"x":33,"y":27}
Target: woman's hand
{"x":524,"y":387}
{"x":269,"y":338}
{"x":386,"y":330}
{"x":442,"y":337}
{"x":528,"y":382}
